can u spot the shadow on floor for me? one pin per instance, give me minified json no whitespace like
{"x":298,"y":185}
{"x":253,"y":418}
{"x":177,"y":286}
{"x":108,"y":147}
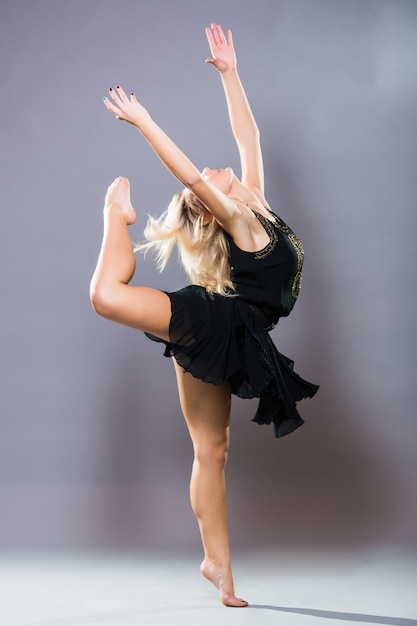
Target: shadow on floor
{"x":348,"y":617}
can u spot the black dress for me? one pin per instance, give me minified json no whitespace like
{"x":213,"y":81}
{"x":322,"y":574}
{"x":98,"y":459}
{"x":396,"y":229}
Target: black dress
{"x":218,"y":338}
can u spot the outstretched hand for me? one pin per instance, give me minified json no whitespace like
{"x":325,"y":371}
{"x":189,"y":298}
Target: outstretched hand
{"x":223,"y":54}
{"x":125,"y":108}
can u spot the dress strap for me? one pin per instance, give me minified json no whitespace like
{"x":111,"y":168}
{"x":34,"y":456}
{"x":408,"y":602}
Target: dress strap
{"x":271,"y":231}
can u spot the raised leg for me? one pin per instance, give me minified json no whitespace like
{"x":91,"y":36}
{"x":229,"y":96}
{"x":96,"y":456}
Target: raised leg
{"x":206,"y":410}
{"x":111,"y":296}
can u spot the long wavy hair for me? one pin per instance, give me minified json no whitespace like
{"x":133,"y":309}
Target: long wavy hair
{"x":203,"y":248}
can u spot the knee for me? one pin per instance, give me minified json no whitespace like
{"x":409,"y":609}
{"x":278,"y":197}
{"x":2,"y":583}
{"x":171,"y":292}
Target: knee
{"x":213,"y":455}
{"x":101,"y":298}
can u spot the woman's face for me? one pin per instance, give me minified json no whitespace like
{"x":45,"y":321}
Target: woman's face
{"x":222,"y":179}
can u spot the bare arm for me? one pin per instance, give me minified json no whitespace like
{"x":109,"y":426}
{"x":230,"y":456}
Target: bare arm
{"x":244,"y":127}
{"x":131,"y":111}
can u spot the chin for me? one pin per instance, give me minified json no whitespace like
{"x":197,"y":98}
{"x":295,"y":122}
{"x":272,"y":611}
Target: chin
{"x":232,"y":178}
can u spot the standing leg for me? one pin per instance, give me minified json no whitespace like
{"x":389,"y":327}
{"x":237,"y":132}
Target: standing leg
{"x":111,"y":296}
{"x":206,"y":410}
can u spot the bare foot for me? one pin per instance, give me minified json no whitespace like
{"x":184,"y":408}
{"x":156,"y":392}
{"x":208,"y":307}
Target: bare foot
{"x":222,"y":579}
{"x":118,"y":195}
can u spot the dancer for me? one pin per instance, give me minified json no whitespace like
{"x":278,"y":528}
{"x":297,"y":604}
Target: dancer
{"x":244,"y":265}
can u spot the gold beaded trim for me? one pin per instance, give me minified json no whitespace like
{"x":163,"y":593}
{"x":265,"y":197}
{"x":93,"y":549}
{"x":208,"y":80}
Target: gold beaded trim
{"x":273,"y":239}
{"x":296,"y":285}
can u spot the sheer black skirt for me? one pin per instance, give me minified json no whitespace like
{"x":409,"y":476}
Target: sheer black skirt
{"x":217,"y":338}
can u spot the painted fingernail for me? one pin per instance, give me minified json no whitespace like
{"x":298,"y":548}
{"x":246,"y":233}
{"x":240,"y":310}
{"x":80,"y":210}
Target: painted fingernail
{"x":110,"y":89}
{"x":117,"y":86}
{"x":104,"y":98}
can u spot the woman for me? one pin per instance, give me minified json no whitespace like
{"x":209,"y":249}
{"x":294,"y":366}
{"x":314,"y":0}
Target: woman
{"x":245,"y":266}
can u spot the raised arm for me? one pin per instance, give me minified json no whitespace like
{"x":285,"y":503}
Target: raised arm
{"x":131,"y":111}
{"x":244,"y":127}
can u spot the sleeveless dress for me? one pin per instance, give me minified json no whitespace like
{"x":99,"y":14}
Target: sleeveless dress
{"x":218,"y":338}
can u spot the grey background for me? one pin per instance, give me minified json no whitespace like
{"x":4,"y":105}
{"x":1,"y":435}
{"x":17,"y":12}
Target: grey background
{"x":93,"y":449}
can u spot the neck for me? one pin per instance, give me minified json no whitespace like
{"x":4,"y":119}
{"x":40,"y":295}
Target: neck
{"x":236,"y":199}
{"x":237,"y":190}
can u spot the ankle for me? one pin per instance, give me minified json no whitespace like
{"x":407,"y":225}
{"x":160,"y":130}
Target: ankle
{"x":219,"y":563}
{"x":113,"y":208}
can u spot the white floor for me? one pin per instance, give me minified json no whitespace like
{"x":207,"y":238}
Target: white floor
{"x":284,"y":588}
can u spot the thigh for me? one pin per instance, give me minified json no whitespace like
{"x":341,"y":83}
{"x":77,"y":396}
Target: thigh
{"x":142,"y":308}
{"x":206,"y":407}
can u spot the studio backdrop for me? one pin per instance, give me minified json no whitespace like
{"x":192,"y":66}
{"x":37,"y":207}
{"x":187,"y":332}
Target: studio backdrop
{"x":94,"y":452}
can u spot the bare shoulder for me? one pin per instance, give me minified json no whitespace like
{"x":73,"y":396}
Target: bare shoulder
{"x":248,"y":232}
{"x":258,"y":194}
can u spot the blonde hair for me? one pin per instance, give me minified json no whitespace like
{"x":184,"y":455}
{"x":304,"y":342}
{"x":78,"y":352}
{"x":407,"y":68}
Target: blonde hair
{"x":203,"y":248}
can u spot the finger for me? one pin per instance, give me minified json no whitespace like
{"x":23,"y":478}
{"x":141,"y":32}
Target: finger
{"x":219,"y":35}
{"x":114,"y":95}
{"x":133,"y":97}
{"x":111,"y":107}
{"x":122,"y":94}
{"x":210,"y":38}
{"x":229,"y":37}
{"x":216,"y":34}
